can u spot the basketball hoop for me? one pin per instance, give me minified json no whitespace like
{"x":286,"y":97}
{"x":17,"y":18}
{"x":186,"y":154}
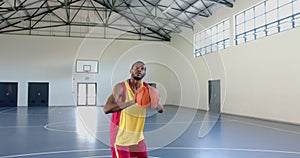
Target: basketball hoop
{"x":87,"y":66}
{"x":87,"y":72}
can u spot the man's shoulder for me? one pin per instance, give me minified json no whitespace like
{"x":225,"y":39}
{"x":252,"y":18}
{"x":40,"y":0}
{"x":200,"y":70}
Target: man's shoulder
{"x":120,"y":84}
{"x":145,"y":84}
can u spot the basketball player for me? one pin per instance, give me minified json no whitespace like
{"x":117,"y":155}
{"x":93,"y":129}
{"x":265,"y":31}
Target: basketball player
{"x":128,"y":118}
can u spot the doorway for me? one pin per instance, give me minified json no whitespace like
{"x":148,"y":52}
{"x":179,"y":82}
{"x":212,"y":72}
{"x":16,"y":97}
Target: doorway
{"x":38,"y":93}
{"x":86,"y":94}
{"x":8,"y":94}
{"x":214,"y":96}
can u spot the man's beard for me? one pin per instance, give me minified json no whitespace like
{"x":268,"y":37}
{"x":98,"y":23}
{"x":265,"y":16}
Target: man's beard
{"x":137,"y":78}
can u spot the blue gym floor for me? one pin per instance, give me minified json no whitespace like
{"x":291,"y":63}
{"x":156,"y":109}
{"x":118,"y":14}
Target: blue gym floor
{"x":82,"y":132}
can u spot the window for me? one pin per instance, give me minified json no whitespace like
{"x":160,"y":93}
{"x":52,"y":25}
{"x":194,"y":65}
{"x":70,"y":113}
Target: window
{"x":266,"y":18}
{"x":212,"y":39}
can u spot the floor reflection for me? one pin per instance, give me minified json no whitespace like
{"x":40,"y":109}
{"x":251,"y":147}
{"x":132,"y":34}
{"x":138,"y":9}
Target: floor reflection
{"x":208,"y":123}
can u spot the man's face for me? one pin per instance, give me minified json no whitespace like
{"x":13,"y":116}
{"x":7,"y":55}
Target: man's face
{"x":138,"y":71}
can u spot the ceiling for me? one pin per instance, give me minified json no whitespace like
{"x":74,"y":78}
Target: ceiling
{"x":107,"y":19}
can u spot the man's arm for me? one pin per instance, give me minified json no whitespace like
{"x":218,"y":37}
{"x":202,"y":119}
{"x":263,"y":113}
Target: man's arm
{"x":114,"y":102}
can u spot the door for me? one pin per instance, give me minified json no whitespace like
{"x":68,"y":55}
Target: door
{"x":86,"y":94}
{"x":38,"y":93}
{"x":8,"y":94}
{"x":214,"y":96}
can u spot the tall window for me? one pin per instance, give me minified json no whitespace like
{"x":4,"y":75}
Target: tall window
{"x":212,"y":39}
{"x":266,"y":18}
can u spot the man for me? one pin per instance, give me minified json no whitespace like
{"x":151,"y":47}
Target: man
{"x":128,"y":118}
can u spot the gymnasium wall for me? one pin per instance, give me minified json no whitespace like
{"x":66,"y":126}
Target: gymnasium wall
{"x":166,"y":66}
{"x":260,"y":78}
{"x":39,"y":59}
{"x":263,"y":78}
{"x":52,"y":59}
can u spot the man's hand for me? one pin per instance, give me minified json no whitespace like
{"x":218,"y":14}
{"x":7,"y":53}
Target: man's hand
{"x":160,"y":108}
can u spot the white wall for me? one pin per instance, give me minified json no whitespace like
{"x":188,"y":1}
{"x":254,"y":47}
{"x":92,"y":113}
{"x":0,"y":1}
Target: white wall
{"x":260,"y":78}
{"x":167,"y":66}
{"x":263,"y":78}
{"x":50,"y":59}
{"x":39,"y":59}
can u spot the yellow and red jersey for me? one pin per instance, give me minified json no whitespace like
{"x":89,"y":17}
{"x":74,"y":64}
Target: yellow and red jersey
{"x":127,"y":125}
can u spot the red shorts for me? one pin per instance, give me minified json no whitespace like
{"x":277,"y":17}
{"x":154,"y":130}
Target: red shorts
{"x":138,"y":150}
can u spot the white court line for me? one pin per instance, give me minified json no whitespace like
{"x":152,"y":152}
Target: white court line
{"x":53,"y":152}
{"x":233,"y":120}
{"x":235,"y":149}
{"x":258,"y":125}
{"x":59,"y":130}
{"x":109,"y":156}
{"x":2,"y":111}
{"x":173,"y":122}
{"x":63,"y":125}
{"x":50,"y":129}
{"x":104,"y":156}
{"x":224,"y":119}
{"x":20,"y":127}
{"x":164,"y":148}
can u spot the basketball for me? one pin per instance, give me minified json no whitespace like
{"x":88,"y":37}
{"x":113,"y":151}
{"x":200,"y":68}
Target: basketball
{"x":147,"y":97}
{"x":142,"y":96}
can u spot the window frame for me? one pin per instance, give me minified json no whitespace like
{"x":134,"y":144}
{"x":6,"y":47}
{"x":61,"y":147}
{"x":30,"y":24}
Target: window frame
{"x":209,"y":38}
{"x":274,"y":25}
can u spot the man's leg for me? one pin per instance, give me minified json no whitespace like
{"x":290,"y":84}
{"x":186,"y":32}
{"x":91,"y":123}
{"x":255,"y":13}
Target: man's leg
{"x":120,"y":152}
{"x":139,"y":150}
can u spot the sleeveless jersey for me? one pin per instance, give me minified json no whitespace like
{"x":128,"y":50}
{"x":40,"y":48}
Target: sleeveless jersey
{"x":127,"y":125}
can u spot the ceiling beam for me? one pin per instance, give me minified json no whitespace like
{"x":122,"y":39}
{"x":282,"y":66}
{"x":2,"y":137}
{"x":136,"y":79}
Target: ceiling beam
{"x":36,"y":15}
{"x":223,"y":2}
{"x":135,"y":20}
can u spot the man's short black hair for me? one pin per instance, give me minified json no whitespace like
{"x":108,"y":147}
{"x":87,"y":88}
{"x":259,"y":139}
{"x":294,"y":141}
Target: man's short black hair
{"x":137,"y":63}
